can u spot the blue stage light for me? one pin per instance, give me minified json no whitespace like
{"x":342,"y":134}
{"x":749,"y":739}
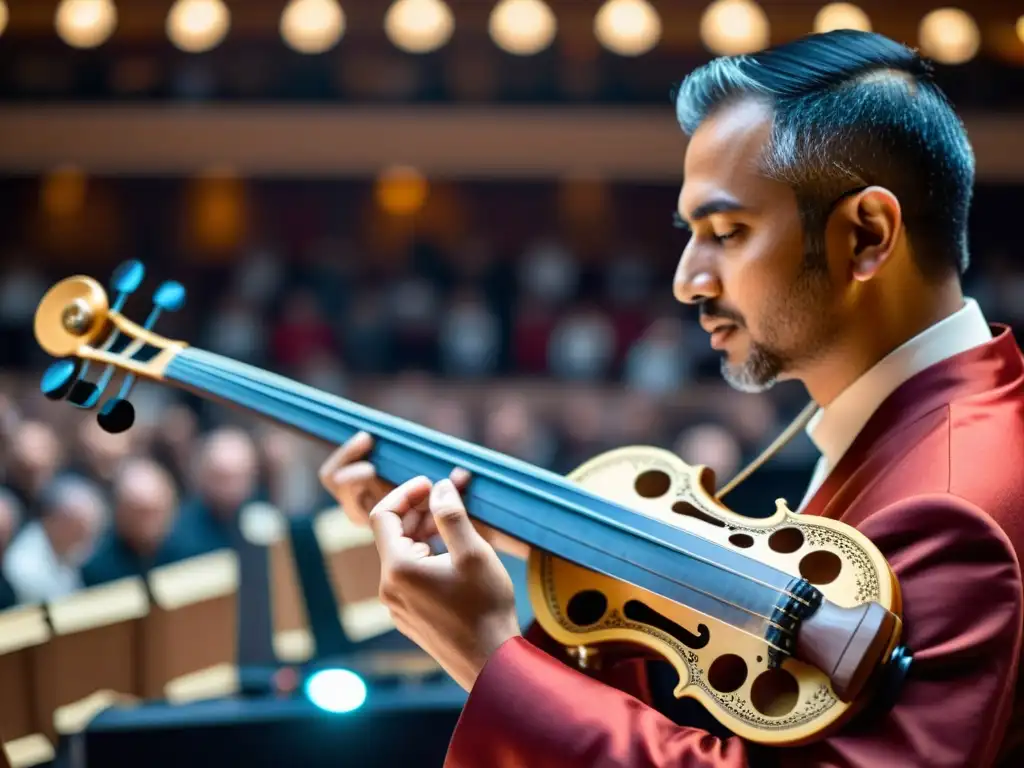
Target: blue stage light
{"x":336,"y":690}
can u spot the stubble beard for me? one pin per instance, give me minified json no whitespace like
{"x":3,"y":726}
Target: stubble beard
{"x":793,"y":317}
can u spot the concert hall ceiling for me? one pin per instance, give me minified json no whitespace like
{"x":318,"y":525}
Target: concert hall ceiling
{"x":521,"y":51}
{"x":145,"y":22}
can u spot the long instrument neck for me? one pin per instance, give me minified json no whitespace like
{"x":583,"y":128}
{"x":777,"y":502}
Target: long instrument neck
{"x":538,"y":507}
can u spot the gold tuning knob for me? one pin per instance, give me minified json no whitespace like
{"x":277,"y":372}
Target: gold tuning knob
{"x":72,"y":313}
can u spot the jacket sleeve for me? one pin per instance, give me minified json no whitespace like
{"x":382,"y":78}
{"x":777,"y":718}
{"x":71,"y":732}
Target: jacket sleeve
{"x":962,"y":612}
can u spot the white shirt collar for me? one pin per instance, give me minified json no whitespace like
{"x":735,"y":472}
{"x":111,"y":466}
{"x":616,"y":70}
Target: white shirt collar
{"x":834,"y":428}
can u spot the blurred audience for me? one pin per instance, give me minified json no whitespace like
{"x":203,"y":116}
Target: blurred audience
{"x":543,"y":350}
{"x":44,"y":561}
{"x":144,"y":532}
{"x":226,"y":476}
{"x":35,"y":456}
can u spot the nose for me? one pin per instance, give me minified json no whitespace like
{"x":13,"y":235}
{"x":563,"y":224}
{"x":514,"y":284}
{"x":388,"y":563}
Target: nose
{"x":696,"y":280}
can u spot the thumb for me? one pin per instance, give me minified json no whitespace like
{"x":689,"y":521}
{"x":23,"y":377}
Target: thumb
{"x":453,"y":523}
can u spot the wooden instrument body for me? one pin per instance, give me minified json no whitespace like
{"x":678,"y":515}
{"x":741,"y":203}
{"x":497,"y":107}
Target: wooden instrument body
{"x":724,"y":668}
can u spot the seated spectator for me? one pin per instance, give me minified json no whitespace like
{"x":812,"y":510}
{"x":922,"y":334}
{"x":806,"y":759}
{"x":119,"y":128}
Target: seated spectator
{"x":660,"y":362}
{"x":10,"y":521}
{"x":582,"y":346}
{"x":470,"y":337}
{"x":99,"y":453}
{"x":33,"y":460}
{"x":144,"y":533}
{"x":226,"y":477}
{"x":44,"y":561}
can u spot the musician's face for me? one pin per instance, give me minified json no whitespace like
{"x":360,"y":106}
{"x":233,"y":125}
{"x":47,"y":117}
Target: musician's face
{"x":765,"y":302}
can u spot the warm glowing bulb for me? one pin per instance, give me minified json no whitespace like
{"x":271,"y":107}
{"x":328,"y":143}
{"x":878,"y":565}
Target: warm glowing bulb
{"x":419,"y":26}
{"x":841,"y":16}
{"x":949,"y":35}
{"x":85,"y":23}
{"x":1020,"y":29}
{"x":63,"y":191}
{"x":5,"y":16}
{"x":627,"y":27}
{"x":523,"y":27}
{"x":312,"y":26}
{"x":195,"y":26}
{"x":730,"y":27}
{"x":401,"y":190}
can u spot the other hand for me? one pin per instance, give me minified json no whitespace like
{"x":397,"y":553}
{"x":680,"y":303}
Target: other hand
{"x":458,"y":606}
{"x":354,"y":484}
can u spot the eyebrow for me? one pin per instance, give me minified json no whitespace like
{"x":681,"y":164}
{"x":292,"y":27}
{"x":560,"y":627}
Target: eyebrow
{"x":709,"y":208}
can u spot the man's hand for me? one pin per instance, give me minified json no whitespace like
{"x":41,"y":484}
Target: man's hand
{"x":458,"y":606}
{"x":353,"y":482}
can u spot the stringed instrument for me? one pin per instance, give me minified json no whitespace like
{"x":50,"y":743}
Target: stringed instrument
{"x":781,"y":627}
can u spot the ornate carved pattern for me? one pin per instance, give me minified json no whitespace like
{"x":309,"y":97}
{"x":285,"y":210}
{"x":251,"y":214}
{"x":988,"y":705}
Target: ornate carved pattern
{"x":852,"y":555}
{"x":816,"y":704}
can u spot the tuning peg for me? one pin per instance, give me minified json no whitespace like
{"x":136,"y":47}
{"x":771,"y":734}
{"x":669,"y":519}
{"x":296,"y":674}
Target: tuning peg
{"x":59,"y":378}
{"x":127,"y":279}
{"x":116,"y":415}
{"x":170,"y":296}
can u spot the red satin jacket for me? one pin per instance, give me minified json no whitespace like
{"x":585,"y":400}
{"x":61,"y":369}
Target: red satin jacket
{"x":936,"y":480}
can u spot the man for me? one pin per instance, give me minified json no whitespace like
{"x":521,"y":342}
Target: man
{"x":827,"y":186}
{"x":144,"y":533}
{"x":35,"y":457}
{"x":45,"y":559}
{"x":226,"y":477}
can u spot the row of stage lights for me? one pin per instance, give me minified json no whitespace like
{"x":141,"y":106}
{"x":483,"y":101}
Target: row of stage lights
{"x":522,"y":27}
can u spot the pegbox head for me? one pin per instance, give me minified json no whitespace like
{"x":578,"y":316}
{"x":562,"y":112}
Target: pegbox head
{"x":72,"y":313}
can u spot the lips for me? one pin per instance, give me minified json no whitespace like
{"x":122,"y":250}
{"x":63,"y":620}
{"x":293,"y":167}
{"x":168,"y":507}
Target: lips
{"x":721,"y":335}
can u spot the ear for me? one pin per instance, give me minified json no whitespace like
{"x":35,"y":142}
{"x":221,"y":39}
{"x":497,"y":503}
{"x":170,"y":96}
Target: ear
{"x":876,"y":219}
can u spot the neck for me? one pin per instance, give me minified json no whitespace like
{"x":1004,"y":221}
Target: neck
{"x":895,"y":320}
{"x":530,"y":504}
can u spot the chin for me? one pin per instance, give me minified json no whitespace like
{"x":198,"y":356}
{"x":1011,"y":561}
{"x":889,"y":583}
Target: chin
{"x":744,"y":378}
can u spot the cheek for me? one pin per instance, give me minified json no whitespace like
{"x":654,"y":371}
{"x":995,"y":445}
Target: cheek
{"x":757,"y":284}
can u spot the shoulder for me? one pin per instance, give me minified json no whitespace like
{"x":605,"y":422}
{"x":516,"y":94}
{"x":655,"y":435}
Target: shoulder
{"x":958,"y":572}
{"x":27,"y":550}
{"x":941,"y":523}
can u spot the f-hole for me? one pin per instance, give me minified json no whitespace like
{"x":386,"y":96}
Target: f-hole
{"x":685,"y":508}
{"x":634,"y":610}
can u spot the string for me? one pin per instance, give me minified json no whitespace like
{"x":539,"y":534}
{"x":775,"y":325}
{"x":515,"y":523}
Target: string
{"x":568,"y":506}
{"x":797,"y":425}
{"x":338,"y":415}
{"x":215,"y":374}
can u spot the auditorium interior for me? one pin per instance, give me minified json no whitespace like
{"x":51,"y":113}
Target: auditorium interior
{"x":459,"y":213}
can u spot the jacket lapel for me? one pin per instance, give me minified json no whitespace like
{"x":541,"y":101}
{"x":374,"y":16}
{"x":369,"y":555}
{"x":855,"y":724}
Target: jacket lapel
{"x":981,"y":369}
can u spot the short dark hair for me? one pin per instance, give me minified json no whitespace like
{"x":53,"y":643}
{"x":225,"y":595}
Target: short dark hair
{"x":853,"y":109}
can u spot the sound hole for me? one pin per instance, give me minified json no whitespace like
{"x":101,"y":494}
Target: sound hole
{"x":741,"y":540}
{"x":727,"y":673}
{"x":685,"y":508}
{"x":586,"y":608}
{"x":652,"y":483}
{"x":774,"y":693}
{"x":637,"y":611}
{"x":786,"y":540}
{"x":820,"y":567}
